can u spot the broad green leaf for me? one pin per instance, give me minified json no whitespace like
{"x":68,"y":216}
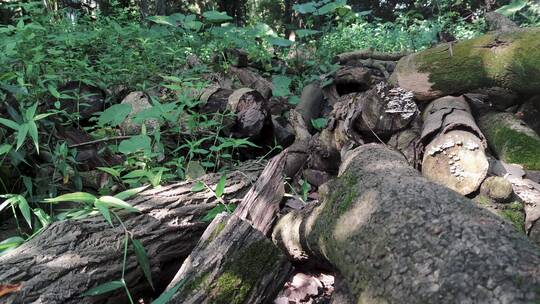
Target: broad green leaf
{"x":294,"y":100}
{"x":25,"y":210}
{"x":110,"y":171}
{"x":104,"y":288}
{"x":9,"y":123}
{"x":114,"y":115}
{"x":279,"y":41}
{"x":11,"y":242}
{"x":21,"y":135}
{"x":304,"y":33}
{"x":281,"y":85}
{"x":305,"y":8}
{"x":4,"y":148}
{"x":104,"y":210}
{"x":319,"y":123}
{"x":134,"y":144}
{"x":124,"y":195}
{"x":142,"y":258}
{"x":217,"y":17}
{"x":112,"y":201}
{"x":33,"y":131}
{"x":164,"y":20}
{"x":73,"y":197}
{"x":199,"y":186}
{"x":165,"y":297}
{"x":53,"y":91}
{"x":328,"y":8}
{"x":512,"y":8}
{"x":220,"y":187}
{"x":217,"y":210}
{"x":194,"y":170}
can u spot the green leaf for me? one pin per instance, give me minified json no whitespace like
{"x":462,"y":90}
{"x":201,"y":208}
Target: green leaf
{"x":42,"y":115}
{"x":124,"y":195}
{"x":73,"y":197}
{"x":104,"y":288}
{"x":25,"y":210}
{"x":114,"y":115}
{"x":281,"y":85}
{"x":220,"y":187}
{"x":11,"y":242}
{"x":136,"y":174}
{"x":217,"y":210}
{"x":5,"y":148}
{"x":135,"y":143}
{"x":165,"y":297}
{"x":304,"y":33}
{"x":217,"y":17}
{"x":104,"y":210}
{"x":53,"y":91}
{"x":305,"y":8}
{"x":142,"y":258}
{"x":21,"y":135}
{"x":30,"y":112}
{"x":33,"y":131}
{"x":279,"y":41}
{"x":512,"y":8}
{"x":112,"y":201}
{"x":194,"y":170}
{"x":110,"y":171}
{"x":319,"y":123}
{"x":9,"y":123}
{"x":198,"y":187}
{"x":294,"y":100}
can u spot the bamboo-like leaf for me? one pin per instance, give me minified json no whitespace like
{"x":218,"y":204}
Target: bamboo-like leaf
{"x":112,"y":201}
{"x":220,"y":187}
{"x":21,"y":135}
{"x":104,"y":288}
{"x":73,"y":197}
{"x":11,"y":242}
{"x":124,"y":195}
{"x":5,"y":148}
{"x":33,"y":131}
{"x":165,"y":297}
{"x":9,"y":123}
{"x":25,"y":209}
{"x":104,"y":210}
{"x":142,"y":258}
{"x":110,"y":171}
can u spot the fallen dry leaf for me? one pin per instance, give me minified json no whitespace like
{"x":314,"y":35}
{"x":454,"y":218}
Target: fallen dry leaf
{"x":9,"y":288}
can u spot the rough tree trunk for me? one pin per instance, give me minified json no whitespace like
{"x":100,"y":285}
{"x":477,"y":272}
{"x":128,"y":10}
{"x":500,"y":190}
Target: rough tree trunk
{"x":511,"y":140}
{"x":253,"y":80}
{"x":234,"y":262}
{"x":70,"y":257}
{"x":454,"y":146}
{"x":509,"y":60}
{"x":398,"y":238}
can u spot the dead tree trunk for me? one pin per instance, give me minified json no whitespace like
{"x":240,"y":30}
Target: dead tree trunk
{"x":454,"y":146}
{"x":509,"y":60}
{"x":70,"y":257}
{"x":234,"y":262}
{"x":398,"y":238}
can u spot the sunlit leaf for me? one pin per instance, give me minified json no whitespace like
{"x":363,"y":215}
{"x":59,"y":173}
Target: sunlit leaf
{"x":73,"y":197}
{"x":33,"y":131}
{"x":319,"y":123}
{"x":279,"y":41}
{"x":220,"y":187}
{"x":198,"y":186}
{"x":124,"y":195}
{"x":104,"y":210}
{"x":112,"y":201}
{"x":11,"y":242}
{"x":217,"y":17}
{"x":110,"y":171}
{"x":114,"y":115}
{"x":305,"y":8}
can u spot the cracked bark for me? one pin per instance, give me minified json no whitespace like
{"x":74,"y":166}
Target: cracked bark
{"x":397,"y":238}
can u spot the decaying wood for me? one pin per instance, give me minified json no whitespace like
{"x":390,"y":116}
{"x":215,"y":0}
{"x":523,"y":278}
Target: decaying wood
{"x":407,"y":141}
{"x":70,"y":257}
{"x":508,"y":60}
{"x":366,"y":54}
{"x":234,"y":262}
{"x":251,"y":79}
{"x":350,"y":79}
{"x":398,"y":238}
{"x":311,"y":104}
{"x":250,"y":108}
{"x":454,"y":153}
{"x":511,"y":139}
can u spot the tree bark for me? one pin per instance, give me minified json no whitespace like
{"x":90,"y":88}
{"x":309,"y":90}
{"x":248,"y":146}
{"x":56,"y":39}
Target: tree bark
{"x":509,"y":60}
{"x":398,"y":238}
{"x":454,"y":146}
{"x":70,"y":257}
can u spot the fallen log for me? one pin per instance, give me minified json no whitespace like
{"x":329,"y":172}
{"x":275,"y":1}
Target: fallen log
{"x":343,"y":58}
{"x":511,"y":139}
{"x":253,"y":80}
{"x":234,"y":262}
{"x":508,"y":60}
{"x":454,"y":146}
{"x":398,"y":238}
{"x":70,"y":257}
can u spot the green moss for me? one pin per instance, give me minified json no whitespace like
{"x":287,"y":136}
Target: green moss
{"x":216,"y":231}
{"x":515,"y":147}
{"x":344,"y":193}
{"x":510,"y":60}
{"x":483,"y":200}
{"x":198,"y":282}
{"x":243,"y":271}
{"x":514,"y":213}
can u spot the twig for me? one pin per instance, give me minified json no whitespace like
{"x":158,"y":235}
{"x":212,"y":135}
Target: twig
{"x":98,"y":141}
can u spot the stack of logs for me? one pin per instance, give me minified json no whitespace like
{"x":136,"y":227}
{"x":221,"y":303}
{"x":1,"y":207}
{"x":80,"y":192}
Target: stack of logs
{"x":407,"y":147}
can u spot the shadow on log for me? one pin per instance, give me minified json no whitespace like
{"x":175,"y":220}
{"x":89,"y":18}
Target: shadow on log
{"x":397,"y":238}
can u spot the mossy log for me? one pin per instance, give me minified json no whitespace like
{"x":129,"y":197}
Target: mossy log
{"x":508,"y":60}
{"x":234,"y":262}
{"x":398,"y":238}
{"x":70,"y":257}
{"x":454,"y":153}
{"x":511,"y":140}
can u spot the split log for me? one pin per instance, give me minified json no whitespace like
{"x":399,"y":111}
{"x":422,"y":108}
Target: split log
{"x":366,"y":54}
{"x":508,"y":60}
{"x":234,"y":262}
{"x":250,"y":108}
{"x":350,"y":79}
{"x":70,"y":257}
{"x":454,"y":146}
{"x":398,"y":238}
{"x":511,"y":140}
{"x":253,"y":80}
